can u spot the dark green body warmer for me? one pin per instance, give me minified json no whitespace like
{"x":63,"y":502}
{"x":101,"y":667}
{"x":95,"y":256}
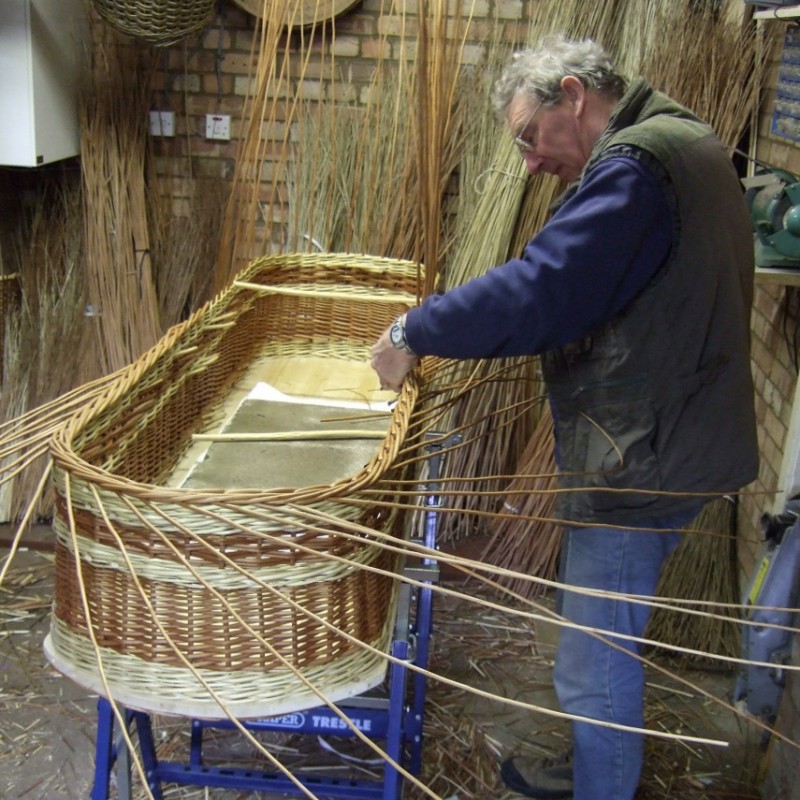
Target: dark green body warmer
{"x":660,"y":399}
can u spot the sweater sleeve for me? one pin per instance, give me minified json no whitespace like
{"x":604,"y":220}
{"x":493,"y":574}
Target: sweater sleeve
{"x":600,"y":249}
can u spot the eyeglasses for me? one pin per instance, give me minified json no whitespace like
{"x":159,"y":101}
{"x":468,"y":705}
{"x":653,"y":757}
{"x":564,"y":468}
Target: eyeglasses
{"x":523,"y":145}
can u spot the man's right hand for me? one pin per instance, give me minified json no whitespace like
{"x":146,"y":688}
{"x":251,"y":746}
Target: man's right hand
{"x":391,"y":364}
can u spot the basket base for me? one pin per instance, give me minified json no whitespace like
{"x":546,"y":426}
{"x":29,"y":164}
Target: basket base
{"x":256,"y":705}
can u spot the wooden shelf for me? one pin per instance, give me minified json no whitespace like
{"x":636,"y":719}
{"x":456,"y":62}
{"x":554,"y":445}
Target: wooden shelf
{"x":786,"y":277}
{"x":780,"y":12}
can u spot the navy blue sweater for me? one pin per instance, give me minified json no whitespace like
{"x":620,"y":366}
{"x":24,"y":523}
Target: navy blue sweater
{"x":601,"y":248}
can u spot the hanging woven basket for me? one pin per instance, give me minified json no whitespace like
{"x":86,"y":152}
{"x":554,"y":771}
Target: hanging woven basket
{"x":160,"y":22}
{"x":297,"y":13}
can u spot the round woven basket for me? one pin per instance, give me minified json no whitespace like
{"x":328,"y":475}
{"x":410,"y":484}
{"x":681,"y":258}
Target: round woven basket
{"x":209,"y":601}
{"x":160,"y":22}
{"x":299,"y":13}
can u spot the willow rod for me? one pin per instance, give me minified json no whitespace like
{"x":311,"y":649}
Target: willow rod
{"x":374,"y":296}
{"x":289,"y":436}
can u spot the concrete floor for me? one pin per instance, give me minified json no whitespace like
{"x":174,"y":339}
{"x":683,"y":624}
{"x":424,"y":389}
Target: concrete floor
{"x":47,"y":723}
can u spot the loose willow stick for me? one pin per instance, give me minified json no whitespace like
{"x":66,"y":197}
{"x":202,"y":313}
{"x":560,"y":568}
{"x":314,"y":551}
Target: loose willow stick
{"x":288,"y":436}
{"x":375,"y":296}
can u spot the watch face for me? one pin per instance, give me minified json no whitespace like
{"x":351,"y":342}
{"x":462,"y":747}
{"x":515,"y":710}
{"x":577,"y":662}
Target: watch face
{"x":396,"y":335}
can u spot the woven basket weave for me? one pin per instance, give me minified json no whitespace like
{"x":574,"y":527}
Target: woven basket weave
{"x":160,"y":22}
{"x":160,"y":570}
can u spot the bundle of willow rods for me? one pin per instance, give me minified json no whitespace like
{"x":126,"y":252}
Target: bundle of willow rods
{"x":353,"y":189}
{"x":704,"y":567}
{"x":438,"y":66}
{"x":269,"y":77}
{"x":181,"y":245}
{"x":524,"y":537}
{"x":706,"y":58}
{"x":47,"y":337}
{"x":500,"y":430}
{"x":715,"y":71}
{"x":113,"y":111}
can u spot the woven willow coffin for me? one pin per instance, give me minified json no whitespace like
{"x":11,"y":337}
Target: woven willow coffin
{"x":176,"y":594}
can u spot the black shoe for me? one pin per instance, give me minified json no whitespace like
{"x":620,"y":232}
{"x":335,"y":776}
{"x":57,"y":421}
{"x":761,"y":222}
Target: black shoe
{"x":549,"y":779}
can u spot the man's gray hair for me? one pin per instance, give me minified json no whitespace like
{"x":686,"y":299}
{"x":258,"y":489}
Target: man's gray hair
{"x":538,"y":72}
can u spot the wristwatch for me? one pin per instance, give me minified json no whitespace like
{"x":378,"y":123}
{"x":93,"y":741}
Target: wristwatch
{"x":397,"y":335}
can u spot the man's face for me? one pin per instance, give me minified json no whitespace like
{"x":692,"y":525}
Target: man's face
{"x":548,"y":136}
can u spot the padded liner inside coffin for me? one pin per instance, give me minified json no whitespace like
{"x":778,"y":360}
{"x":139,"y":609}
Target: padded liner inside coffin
{"x":291,"y":464}
{"x":305,"y":395}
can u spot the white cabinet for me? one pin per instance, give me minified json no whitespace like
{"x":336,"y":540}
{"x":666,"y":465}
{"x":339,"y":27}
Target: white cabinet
{"x":42,"y":46}
{"x":779,"y":12}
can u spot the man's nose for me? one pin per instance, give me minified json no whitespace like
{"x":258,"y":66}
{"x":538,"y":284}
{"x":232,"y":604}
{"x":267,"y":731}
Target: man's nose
{"x":533,"y":163}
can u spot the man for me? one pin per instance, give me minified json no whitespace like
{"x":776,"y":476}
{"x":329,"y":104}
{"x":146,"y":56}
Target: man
{"x":637,"y":296}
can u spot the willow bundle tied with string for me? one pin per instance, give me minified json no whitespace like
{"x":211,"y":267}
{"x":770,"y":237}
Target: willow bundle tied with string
{"x":709,"y":60}
{"x":497,"y":442}
{"x":508,"y":213}
{"x":696,"y":34}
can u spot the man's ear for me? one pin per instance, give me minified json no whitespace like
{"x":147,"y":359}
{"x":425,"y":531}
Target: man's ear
{"x":574,"y":92}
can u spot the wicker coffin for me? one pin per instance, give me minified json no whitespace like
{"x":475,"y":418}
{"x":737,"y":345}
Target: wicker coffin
{"x":190,"y":578}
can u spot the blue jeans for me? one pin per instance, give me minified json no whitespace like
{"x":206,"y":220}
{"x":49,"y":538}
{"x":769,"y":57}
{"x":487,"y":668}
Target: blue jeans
{"x":597,"y":681}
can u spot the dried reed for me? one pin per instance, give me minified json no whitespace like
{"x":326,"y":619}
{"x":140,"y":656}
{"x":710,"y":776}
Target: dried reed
{"x":701,"y":56}
{"x":276,"y":73}
{"x":439,"y":62}
{"x":496,"y":231}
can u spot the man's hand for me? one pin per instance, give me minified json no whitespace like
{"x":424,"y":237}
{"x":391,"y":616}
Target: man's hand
{"x":391,"y":364}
